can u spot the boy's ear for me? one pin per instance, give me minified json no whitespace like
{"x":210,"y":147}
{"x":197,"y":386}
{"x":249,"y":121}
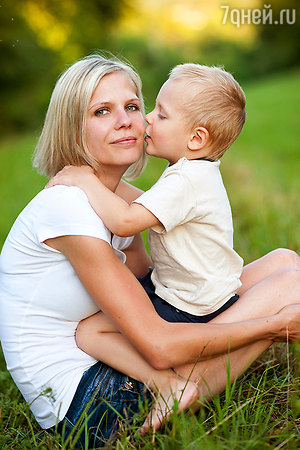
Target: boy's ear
{"x":198,"y":139}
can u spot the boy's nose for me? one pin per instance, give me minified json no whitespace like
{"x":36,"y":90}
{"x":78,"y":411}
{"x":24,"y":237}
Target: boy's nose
{"x":148,"y":117}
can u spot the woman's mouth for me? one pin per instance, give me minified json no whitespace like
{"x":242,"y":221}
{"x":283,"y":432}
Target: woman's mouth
{"x":128,"y":140}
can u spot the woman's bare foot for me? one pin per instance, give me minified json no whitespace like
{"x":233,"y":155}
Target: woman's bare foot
{"x":178,"y":396}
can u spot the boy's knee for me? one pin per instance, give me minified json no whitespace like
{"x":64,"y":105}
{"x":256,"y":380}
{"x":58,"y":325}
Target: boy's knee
{"x":288,"y":258}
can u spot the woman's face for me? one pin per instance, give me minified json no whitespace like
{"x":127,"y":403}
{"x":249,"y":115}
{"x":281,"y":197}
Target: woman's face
{"x":115,"y":125}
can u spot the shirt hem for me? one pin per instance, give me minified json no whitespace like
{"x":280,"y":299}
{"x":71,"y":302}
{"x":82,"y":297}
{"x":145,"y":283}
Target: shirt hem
{"x":196,"y":310}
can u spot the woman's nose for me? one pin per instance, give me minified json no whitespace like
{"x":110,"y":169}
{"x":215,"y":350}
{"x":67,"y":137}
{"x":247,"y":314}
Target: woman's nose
{"x":123,"y":119}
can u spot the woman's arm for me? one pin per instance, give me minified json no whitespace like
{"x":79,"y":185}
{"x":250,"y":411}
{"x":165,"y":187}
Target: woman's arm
{"x":117,"y":292}
{"x":119,"y":217}
{"x":137,"y":258}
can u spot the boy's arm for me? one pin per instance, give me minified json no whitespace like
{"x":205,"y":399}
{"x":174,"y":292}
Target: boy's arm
{"x":128,"y":192}
{"x":119,"y":217}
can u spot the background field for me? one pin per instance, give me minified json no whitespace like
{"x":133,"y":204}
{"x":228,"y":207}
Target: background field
{"x":261,"y":173}
{"x":261,"y":170}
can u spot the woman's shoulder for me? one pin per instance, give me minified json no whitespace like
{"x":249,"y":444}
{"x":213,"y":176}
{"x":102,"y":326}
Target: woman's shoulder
{"x":57,"y":211}
{"x":60,"y":205}
{"x":61,"y":193}
{"x":68,"y":202}
{"x":65,"y":197}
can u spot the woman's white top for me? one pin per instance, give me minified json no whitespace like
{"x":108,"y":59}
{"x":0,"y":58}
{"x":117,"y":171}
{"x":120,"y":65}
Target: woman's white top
{"x":196,"y":267}
{"x":42,"y":300}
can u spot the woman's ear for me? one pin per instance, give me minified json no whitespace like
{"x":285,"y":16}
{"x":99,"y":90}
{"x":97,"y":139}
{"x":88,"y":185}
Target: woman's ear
{"x":198,"y":139}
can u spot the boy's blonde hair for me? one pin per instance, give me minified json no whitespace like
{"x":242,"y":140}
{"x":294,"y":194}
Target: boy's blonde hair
{"x":63,"y":138}
{"x":216,"y":102}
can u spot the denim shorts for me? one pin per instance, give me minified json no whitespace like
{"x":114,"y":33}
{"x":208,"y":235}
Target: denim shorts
{"x":170,"y":313}
{"x":105,"y":399}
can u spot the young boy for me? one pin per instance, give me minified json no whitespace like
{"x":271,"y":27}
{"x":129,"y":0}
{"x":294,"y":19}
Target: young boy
{"x":199,"y":113}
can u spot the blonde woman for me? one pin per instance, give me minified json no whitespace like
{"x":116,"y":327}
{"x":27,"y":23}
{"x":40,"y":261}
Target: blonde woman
{"x":60,"y":265}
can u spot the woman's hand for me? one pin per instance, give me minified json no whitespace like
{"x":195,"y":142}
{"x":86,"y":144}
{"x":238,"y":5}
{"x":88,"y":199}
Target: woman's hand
{"x":72,"y":176}
{"x":288,"y":324}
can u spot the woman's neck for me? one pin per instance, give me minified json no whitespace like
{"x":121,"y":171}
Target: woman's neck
{"x":110,"y":177}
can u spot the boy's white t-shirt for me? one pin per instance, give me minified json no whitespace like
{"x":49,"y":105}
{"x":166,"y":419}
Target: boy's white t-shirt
{"x":42,"y":300}
{"x":195,"y":267}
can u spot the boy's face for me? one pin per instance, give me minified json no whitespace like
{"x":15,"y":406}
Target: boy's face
{"x":167,"y":134}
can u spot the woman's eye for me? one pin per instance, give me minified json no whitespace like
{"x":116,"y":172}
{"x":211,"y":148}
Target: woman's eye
{"x":133,"y":108}
{"x":101,"y":112}
{"x":161,"y":116}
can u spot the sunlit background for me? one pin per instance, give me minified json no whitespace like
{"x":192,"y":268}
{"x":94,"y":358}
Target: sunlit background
{"x":39,"y":38}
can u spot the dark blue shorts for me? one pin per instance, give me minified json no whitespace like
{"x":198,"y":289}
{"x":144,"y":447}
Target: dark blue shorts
{"x":172,"y":314}
{"x":104,"y":399}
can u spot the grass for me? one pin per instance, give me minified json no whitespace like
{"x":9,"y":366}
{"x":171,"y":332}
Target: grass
{"x":261,"y":174}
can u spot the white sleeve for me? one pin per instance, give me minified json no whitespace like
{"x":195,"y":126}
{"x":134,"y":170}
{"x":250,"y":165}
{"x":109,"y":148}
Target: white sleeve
{"x":171,"y":199}
{"x":66,"y":211}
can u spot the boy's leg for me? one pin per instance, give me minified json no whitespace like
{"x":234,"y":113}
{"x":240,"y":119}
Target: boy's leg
{"x":97,"y":336}
{"x":267,"y":265}
{"x":211,"y":376}
{"x":266,"y":298}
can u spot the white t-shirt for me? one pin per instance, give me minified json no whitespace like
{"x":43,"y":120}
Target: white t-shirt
{"x":196,"y":268}
{"x":42,"y":300}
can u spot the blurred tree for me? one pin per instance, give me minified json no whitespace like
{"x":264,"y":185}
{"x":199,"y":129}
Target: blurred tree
{"x":278,"y":43}
{"x":37,"y":39}
{"x":153,"y":61}
{"x":23,"y":70}
{"x":276,"y":46}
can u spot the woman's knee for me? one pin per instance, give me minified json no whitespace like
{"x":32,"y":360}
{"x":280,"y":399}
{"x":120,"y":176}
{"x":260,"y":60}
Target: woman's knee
{"x":91,"y":328}
{"x":285,"y":258}
{"x":82,"y":333}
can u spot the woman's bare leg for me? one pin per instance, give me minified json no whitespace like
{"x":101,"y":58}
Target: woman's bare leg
{"x":211,"y":376}
{"x":98,"y":337}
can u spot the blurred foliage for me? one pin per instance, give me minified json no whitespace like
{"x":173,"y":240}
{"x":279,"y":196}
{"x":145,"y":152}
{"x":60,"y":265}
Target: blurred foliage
{"x":38,"y":38}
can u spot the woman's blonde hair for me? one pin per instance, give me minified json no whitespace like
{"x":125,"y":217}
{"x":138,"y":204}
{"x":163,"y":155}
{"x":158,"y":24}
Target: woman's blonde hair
{"x":63,"y":138}
{"x":216,"y":102}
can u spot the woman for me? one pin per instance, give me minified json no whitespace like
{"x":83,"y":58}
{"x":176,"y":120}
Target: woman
{"x":60,"y":265}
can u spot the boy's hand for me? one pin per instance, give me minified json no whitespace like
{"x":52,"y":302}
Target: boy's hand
{"x":72,"y":176}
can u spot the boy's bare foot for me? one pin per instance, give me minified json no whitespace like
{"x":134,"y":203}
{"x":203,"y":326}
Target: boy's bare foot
{"x":180,"y":394}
